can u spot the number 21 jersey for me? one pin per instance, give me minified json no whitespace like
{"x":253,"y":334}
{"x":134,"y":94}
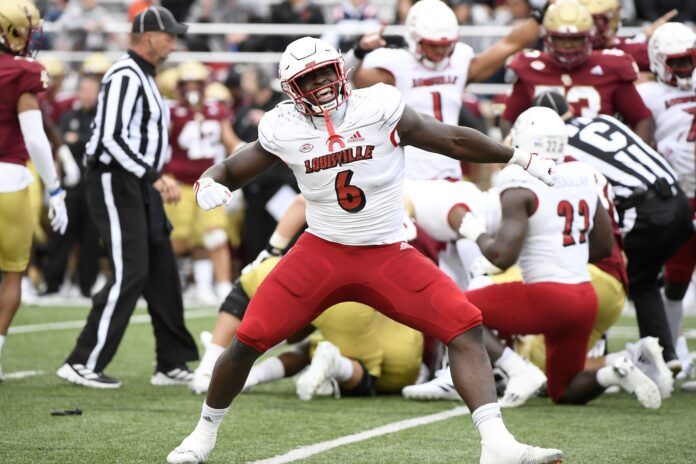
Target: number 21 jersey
{"x":353,"y":188}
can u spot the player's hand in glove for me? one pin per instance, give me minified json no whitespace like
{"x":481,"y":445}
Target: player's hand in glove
{"x":209,"y":194}
{"x":472,"y":226}
{"x":57,"y":212}
{"x":539,"y":167}
{"x":268,"y":252}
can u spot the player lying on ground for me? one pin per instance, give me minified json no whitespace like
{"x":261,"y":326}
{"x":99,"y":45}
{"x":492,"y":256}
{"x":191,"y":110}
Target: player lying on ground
{"x":353,"y":248}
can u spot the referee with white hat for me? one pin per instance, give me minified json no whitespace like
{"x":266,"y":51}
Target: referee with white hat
{"x":125,"y":191}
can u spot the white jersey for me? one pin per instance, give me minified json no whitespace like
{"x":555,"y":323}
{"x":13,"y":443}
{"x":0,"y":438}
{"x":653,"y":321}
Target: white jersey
{"x":433,"y":200}
{"x":354,"y":191}
{"x":437,"y":93}
{"x":674,"y":111}
{"x":556,"y":247}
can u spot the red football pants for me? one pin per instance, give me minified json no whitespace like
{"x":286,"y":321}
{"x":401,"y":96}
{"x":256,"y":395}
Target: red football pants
{"x":680,"y":267}
{"x":394,"y":279}
{"x":563,"y":313}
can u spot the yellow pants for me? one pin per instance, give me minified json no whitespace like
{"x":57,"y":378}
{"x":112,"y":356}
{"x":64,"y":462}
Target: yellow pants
{"x":189,"y":221}
{"x":17,"y":227}
{"x":35,"y":203}
{"x":390,"y":351}
{"x":610,"y":302}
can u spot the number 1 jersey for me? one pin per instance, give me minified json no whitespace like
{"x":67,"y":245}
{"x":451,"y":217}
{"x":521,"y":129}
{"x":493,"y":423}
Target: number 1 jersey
{"x":437,"y":93}
{"x":353,"y":186}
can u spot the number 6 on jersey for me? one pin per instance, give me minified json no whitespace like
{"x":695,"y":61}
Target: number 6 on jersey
{"x":350,"y":197}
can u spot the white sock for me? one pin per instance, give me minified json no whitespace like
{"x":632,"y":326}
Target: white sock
{"x":674,"y":309}
{"x":344,"y":370}
{"x":682,"y":349}
{"x":612,"y":357}
{"x":2,"y":342}
{"x":489,"y":422}
{"x":211,"y":355}
{"x":222,"y":289}
{"x":211,"y":419}
{"x":203,"y":273}
{"x":267,"y":370}
{"x":606,"y":376}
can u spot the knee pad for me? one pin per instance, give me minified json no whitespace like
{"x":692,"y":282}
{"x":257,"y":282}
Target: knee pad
{"x":675,"y":291}
{"x":236,"y":302}
{"x":366,"y":387}
{"x":214,"y":238}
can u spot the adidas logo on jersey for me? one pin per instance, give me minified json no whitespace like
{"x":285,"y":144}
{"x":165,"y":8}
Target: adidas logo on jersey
{"x":356,"y":137}
{"x":597,"y":71}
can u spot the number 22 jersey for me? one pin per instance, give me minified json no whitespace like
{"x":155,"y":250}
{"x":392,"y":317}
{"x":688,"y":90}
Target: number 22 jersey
{"x":353,"y":190}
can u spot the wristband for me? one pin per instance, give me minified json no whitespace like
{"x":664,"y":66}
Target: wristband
{"x":358,"y":52}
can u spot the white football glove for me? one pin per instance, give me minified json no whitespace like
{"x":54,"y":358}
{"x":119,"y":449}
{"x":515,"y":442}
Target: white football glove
{"x":483,"y":267}
{"x":209,"y":194}
{"x":263,"y":256}
{"x":539,"y":167}
{"x":71,"y":171}
{"x":57,"y":212}
{"x":472,"y":226}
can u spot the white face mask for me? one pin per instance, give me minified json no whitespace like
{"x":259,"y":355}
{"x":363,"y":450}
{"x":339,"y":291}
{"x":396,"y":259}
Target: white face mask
{"x":193,"y":97}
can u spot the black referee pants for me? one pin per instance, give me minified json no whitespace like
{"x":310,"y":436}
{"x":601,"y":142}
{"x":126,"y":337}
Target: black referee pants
{"x":661,"y":227}
{"x":130,"y":218}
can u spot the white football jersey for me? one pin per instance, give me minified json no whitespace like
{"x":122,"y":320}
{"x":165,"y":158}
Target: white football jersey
{"x":354,"y":190}
{"x":674,"y":111}
{"x":433,"y":200}
{"x":556,"y":247}
{"x":428,"y":91}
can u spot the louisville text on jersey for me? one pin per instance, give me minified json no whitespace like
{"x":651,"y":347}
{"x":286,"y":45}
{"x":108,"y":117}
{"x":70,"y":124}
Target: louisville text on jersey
{"x":437,"y":80}
{"x":339,"y":158}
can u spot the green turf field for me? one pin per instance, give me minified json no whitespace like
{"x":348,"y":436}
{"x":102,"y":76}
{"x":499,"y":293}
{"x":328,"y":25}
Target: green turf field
{"x":140,"y":423}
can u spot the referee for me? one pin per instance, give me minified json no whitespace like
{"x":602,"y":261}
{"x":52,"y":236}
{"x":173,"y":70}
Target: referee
{"x":125,"y":194}
{"x":655,"y":216}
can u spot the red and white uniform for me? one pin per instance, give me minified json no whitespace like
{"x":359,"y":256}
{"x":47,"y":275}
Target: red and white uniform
{"x":674,"y":111}
{"x":556,"y":298}
{"x":18,"y":75}
{"x":196,"y":140}
{"x":601,"y":85}
{"x":352,"y":250}
{"x":437,"y":93}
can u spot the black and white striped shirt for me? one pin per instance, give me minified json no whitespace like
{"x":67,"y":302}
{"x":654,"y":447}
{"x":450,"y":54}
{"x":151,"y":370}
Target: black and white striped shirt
{"x":131,"y":126}
{"x":630,"y":165}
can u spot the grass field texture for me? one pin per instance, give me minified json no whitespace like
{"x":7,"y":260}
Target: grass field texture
{"x":140,"y":423}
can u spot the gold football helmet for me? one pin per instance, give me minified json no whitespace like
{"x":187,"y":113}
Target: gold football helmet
{"x":96,"y":64}
{"x":216,"y":91}
{"x":19,"y":20}
{"x":54,"y":67}
{"x":193,"y":71}
{"x":166,"y":81}
{"x":607,"y":18}
{"x":567,"y":30}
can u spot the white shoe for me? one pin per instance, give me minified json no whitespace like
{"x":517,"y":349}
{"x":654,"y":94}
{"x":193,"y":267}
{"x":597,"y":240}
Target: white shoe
{"x":514,"y":452}
{"x":81,"y":375}
{"x":195,"y":448}
{"x":689,"y":387}
{"x":320,"y":371}
{"x":524,"y":380}
{"x":172,"y":378}
{"x":440,"y":388}
{"x":633,"y":380}
{"x":202,"y":375}
{"x":646,"y":354}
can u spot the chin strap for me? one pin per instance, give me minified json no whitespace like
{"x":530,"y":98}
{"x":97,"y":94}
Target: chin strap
{"x":334,"y":138}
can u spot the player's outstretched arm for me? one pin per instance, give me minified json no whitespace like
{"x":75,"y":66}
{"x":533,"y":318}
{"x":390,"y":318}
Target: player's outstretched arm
{"x":601,"y":236}
{"x":486,"y":63}
{"x":465,"y":144}
{"x":504,"y":248}
{"x":216,"y":184}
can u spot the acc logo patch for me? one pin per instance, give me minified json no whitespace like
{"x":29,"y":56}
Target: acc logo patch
{"x":306,"y":147}
{"x":537,"y":65}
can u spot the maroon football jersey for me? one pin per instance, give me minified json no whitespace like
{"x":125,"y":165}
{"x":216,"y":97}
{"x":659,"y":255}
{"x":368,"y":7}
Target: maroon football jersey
{"x":637,"y":50}
{"x":18,"y":75}
{"x":196,"y":140}
{"x":601,"y":85}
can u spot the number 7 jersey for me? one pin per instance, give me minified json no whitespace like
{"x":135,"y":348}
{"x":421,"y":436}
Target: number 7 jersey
{"x":353,"y":185}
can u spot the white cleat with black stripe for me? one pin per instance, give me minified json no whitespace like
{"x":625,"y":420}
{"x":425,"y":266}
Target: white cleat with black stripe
{"x":646,"y":354}
{"x":81,"y":375}
{"x":174,"y":377}
{"x":440,"y":388}
{"x":633,"y":380}
{"x":514,"y":452}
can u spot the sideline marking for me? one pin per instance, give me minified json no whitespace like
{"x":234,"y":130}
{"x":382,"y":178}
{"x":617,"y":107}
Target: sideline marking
{"x":137,"y":319}
{"x":22,"y":374}
{"x":310,"y":450}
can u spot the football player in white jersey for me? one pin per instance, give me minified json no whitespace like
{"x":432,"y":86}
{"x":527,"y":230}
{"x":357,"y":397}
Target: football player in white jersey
{"x":344,"y":149}
{"x":672,"y":102}
{"x":433,"y":71}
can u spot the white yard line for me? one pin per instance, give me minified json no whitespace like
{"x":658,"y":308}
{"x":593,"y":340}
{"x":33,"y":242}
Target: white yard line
{"x":138,"y":319}
{"x":310,"y":450}
{"x":22,"y":374}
